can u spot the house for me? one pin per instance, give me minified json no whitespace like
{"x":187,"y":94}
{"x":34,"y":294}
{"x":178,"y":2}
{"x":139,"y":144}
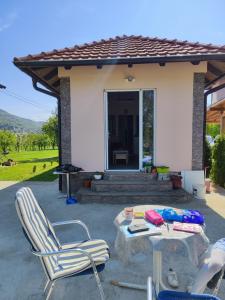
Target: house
{"x":129,"y":100}
{"x":216,"y":111}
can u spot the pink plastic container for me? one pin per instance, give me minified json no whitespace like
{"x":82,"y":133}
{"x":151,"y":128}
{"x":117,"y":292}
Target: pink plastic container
{"x":153,"y":217}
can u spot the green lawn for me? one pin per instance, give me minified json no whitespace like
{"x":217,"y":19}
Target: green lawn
{"x":26,"y":161}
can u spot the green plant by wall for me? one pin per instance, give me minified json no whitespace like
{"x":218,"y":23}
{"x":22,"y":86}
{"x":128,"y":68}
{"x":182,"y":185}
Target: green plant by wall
{"x":218,"y":161}
{"x":207,"y":157}
{"x":213,"y":129}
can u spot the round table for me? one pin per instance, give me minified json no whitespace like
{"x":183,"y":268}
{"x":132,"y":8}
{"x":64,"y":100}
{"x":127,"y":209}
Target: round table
{"x":195,"y":244}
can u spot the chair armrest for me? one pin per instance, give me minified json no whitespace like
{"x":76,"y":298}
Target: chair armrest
{"x":61,"y":251}
{"x":72,"y":250}
{"x":149,"y":288}
{"x":73,"y":222}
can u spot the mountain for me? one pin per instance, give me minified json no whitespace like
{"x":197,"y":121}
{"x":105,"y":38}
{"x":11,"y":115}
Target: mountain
{"x":18,"y":124}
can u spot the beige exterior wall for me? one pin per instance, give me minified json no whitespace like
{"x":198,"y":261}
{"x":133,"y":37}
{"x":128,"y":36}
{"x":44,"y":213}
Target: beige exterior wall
{"x":174,"y":102}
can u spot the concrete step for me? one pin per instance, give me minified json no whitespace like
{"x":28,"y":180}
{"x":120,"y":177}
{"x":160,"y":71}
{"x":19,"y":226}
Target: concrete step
{"x":131,"y":185}
{"x":151,"y":197}
{"x":120,"y":176}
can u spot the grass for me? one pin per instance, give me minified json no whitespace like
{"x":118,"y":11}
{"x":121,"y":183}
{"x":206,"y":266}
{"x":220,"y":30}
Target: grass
{"x":25,"y":162}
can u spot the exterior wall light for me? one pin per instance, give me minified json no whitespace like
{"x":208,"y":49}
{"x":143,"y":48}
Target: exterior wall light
{"x":130,"y":78}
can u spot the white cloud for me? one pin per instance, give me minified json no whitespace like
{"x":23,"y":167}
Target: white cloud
{"x":8,"y":21}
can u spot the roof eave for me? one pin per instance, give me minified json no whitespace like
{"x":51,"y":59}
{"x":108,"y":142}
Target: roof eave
{"x":37,"y":79}
{"x":118,"y":61}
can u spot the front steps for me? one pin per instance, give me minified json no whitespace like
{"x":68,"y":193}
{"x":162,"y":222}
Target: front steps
{"x":132,"y":188}
{"x":130,"y":185}
{"x":121,"y":176}
{"x":164,"y":198}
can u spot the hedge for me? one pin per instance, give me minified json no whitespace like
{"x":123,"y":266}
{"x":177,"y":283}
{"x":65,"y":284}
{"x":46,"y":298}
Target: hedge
{"x":218,"y":161}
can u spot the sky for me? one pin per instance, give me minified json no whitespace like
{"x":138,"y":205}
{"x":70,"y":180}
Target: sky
{"x":29,"y":27}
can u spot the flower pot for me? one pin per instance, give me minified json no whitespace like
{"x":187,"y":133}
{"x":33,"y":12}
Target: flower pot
{"x":163,"y":170}
{"x":97,"y":176}
{"x":176,"y":181}
{"x":208,"y":186}
{"x":87,"y":183}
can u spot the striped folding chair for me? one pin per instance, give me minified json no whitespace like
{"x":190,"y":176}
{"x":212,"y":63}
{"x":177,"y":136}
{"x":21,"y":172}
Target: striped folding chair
{"x":173,"y":295}
{"x":58,"y":260}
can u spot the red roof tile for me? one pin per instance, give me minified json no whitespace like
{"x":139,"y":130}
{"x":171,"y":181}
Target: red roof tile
{"x":126,"y":47}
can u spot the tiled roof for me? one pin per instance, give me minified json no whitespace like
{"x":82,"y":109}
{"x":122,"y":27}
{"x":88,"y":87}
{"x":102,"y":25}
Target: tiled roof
{"x":122,"y":47}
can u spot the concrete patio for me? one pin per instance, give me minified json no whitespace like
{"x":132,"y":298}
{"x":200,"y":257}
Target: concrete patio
{"x":21,"y":273}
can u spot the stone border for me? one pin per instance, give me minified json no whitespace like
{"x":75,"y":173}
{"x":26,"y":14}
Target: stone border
{"x":198,"y":121}
{"x":65,"y":120}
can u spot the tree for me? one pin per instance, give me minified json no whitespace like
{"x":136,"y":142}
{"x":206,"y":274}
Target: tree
{"x":30,"y":141}
{"x":7,"y":140}
{"x":25,"y":142}
{"x":19,"y":141}
{"x":218,"y":161}
{"x":213,"y":129}
{"x":50,"y":128}
{"x":41,"y":140}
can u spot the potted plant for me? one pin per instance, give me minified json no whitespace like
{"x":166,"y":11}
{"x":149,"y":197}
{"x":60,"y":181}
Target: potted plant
{"x":176,"y":181}
{"x":163,"y":172}
{"x":163,"y":169}
{"x":98,"y":175}
{"x":147,"y":167}
{"x":87,"y":183}
{"x":154,"y":172}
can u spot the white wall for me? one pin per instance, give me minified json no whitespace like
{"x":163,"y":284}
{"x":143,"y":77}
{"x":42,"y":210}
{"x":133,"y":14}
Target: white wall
{"x":174,"y":99}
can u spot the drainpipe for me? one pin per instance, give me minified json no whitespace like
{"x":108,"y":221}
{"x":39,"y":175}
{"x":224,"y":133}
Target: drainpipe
{"x":57,"y":96}
{"x":209,"y":92}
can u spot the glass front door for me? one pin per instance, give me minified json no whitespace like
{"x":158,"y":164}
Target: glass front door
{"x":148,"y":128}
{"x":123,"y":130}
{"x":129,"y":130}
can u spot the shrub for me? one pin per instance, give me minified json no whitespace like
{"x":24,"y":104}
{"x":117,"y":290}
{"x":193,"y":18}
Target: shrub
{"x":218,"y":161}
{"x":213,"y":129}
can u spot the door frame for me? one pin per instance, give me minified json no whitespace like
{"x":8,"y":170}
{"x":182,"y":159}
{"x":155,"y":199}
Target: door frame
{"x":106,"y":128}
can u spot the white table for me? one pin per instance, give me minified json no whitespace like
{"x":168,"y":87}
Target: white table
{"x":196,"y":244}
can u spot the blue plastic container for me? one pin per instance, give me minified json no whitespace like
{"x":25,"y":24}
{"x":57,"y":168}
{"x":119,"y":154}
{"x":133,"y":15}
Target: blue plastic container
{"x":171,"y":295}
{"x":71,"y":200}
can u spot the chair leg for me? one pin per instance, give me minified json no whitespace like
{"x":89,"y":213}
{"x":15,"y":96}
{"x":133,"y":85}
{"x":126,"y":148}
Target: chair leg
{"x":46,"y":285}
{"x":101,"y":292}
{"x":216,"y":290}
{"x":50,"y":286}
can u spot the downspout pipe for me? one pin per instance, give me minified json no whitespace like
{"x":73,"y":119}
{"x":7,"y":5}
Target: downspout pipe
{"x":206,"y":94}
{"x":44,"y":91}
{"x":57,"y":96}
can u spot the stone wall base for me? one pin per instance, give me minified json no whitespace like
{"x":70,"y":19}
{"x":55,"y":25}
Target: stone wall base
{"x":76,"y":181}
